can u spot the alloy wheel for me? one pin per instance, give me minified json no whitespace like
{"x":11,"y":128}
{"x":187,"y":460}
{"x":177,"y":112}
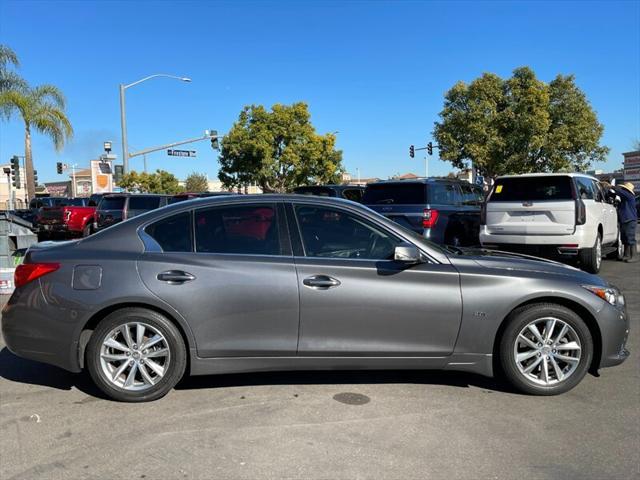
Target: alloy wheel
{"x":547,"y":351}
{"x":598,"y":252}
{"x":134,"y":356}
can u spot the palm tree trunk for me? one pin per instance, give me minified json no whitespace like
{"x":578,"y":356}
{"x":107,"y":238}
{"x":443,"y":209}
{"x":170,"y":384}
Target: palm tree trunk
{"x":28,"y":164}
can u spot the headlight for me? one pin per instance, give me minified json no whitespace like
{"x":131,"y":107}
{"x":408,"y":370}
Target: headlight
{"x":609,"y":294}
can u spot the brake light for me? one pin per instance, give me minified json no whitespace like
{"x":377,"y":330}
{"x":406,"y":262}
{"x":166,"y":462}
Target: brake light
{"x":581,"y":213}
{"x":429,"y":217}
{"x":28,"y":272}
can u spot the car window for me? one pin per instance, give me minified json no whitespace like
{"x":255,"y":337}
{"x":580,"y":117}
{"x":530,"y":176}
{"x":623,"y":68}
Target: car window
{"x":395,"y":194}
{"x":331,"y":233}
{"x":585,"y":188}
{"x":173,"y":234}
{"x":243,"y":229}
{"x":442,"y":194}
{"x":471,"y":194}
{"x":75,"y":202}
{"x":112,"y":203}
{"x":317,"y":191}
{"x":353,"y":194}
{"x":525,"y":189}
{"x":143,"y":203}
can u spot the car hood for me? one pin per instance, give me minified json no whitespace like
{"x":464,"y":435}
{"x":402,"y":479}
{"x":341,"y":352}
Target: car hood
{"x":518,"y":262}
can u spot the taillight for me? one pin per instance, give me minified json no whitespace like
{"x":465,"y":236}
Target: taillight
{"x":28,"y":272}
{"x":429,"y":217}
{"x":581,"y":213}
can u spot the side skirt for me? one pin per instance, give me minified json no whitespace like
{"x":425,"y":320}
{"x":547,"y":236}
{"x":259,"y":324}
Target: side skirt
{"x":475,"y":363}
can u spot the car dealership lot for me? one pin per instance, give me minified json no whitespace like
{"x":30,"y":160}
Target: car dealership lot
{"x":53,"y":424}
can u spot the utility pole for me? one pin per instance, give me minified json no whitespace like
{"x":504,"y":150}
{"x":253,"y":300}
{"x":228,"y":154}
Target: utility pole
{"x":7,"y":172}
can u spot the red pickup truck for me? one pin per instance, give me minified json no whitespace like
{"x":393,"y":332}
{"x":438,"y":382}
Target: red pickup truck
{"x":72,"y":218}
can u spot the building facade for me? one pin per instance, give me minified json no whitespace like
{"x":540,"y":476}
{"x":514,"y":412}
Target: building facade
{"x":631,"y":168}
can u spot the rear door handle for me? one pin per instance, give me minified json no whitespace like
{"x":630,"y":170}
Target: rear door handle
{"x":321,"y":282}
{"x":175,"y":277}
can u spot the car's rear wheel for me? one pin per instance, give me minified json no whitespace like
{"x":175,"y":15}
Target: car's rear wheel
{"x":546,"y":349}
{"x":136,"y":355}
{"x":86,"y":231}
{"x":591,"y":258}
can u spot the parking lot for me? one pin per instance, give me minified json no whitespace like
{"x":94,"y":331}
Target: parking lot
{"x":399,"y":425}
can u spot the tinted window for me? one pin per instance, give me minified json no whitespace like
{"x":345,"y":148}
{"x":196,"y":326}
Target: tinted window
{"x":173,"y":234}
{"x":333,"y":233}
{"x":471,"y":194}
{"x":143,"y":203}
{"x":251,"y":229}
{"x":443,"y":194}
{"x":519,"y":189}
{"x":319,"y":191}
{"x":112,"y":203}
{"x":353,"y":194}
{"x":395,"y":193}
{"x":76,"y":202}
{"x":585,"y":188}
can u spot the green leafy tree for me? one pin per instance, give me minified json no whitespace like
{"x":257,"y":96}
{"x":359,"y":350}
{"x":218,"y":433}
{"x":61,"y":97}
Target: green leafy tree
{"x":196,"y":182}
{"x":519,"y":125}
{"x":160,"y":181}
{"x":42,"y":109}
{"x":278,"y":150}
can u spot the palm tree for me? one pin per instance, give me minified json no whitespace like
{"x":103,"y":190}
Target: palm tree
{"x":43,"y":110}
{"x":8,"y":79}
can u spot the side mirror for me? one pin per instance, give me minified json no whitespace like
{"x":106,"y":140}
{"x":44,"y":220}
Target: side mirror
{"x":407,"y":253}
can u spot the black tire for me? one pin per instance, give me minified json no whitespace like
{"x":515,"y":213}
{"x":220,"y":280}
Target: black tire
{"x":175,"y":343}
{"x":87,"y":230}
{"x":590,"y":259}
{"x":518,"y":320}
{"x":618,"y":253}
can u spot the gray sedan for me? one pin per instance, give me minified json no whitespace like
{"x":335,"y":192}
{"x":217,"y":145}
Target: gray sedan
{"x":257,"y":283}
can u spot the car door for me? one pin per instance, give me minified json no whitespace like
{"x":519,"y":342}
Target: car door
{"x":595,"y":210}
{"x":228,"y":272}
{"x":355,"y":300}
{"x":609,"y":214}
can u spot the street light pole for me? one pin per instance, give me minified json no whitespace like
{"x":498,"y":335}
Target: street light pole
{"x":123,"y":123}
{"x":123,"y":115}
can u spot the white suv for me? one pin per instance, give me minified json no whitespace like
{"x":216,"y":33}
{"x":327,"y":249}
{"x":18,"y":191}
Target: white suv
{"x":558,"y":215}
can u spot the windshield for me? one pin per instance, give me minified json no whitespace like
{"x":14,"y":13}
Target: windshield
{"x":112,"y":203}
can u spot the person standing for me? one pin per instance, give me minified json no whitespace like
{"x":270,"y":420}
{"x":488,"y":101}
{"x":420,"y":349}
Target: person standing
{"x":628,"y":218}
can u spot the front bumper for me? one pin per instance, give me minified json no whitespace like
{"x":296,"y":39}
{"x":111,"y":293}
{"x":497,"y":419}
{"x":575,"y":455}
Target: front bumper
{"x":614,"y":330}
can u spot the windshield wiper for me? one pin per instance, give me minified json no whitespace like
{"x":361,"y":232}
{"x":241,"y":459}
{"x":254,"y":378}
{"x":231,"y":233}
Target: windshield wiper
{"x":452,"y":249}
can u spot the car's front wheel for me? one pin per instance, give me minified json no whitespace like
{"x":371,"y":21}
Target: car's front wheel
{"x":546,"y":349}
{"x":136,"y":355}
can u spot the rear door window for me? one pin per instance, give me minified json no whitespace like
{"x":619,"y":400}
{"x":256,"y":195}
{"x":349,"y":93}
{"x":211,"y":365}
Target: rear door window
{"x":112,"y":203}
{"x":471,"y":194}
{"x":353,"y":194}
{"x":242,"y":229}
{"x":526,"y":189}
{"x":173,"y":234}
{"x":395,"y":194}
{"x":143,"y":203}
{"x":585,"y":188}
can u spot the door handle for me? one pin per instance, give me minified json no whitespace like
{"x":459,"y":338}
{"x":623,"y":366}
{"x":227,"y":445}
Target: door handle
{"x":175,"y":277}
{"x":321,"y":282}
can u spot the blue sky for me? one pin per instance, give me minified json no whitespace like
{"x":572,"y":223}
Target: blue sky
{"x":374,"y":71}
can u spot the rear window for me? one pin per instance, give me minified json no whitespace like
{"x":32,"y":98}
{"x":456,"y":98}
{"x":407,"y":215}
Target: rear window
{"x":144,"y":203}
{"x":519,"y":189}
{"x":112,"y":203}
{"x":76,"y":202}
{"x":318,"y":191}
{"x":395,"y":194}
{"x":443,"y":194}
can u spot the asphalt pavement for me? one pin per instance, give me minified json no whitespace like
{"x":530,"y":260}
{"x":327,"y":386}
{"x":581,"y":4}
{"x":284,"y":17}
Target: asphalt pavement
{"x":326,"y":425}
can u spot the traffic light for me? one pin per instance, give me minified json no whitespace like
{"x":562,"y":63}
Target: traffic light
{"x":59,"y":168}
{"x":118,"y":171}
{"x":412,"y":151}
{"x":215,"y":144}
{"x":15,"y":171}
{"x":35,"y":177}
{"x":430,"y":148}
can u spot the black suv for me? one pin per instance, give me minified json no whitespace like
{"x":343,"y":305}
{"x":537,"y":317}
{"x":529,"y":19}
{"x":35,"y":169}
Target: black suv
{"x":349,"y":192}
{"x":116,"y":207}
{"x":445,"y":211}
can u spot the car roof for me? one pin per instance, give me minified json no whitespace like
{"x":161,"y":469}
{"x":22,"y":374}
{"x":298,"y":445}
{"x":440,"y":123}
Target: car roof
{"x":534,"y":175}
{"x":424,"y":181}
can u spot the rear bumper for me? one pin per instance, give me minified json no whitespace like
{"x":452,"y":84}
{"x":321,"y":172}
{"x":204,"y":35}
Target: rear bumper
{"x":559,"y":244}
